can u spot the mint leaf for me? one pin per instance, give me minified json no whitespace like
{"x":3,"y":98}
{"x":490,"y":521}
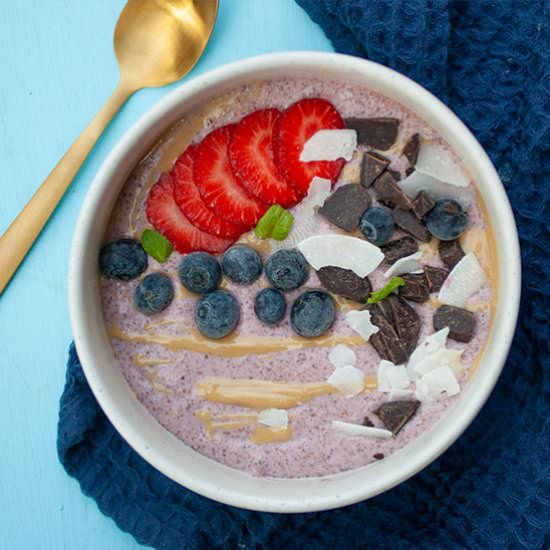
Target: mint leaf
{"x":274,"y":224}
{"x":282,"y":227}
{"x":156,"y":245}
{"x":393,"y":284}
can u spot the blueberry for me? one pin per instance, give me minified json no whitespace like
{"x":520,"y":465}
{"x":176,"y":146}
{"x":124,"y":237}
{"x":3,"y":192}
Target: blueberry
{"x":312,"y":313}
{"x":200,"y":272}
{"x":286,"y":269}
{"x":377,"y":225}
{"x":270,"y":306}
{"x":124,"y":259}
{"x":447,"y":220}
{"x":217,"y":314}
{"x":154,"y":293}
{"x":242,"y":264}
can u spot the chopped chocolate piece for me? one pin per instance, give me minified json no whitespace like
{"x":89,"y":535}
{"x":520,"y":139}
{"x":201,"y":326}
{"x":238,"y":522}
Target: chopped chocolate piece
{"x":411,"y":149}
{"x":407,"y":221}
{"x":378,"y":456}
{"x":409,"y":171}
{"x":461,"y":322}
{"x":395,"y":174}
{"x":389,"y":193}
{"x":404,"y":320}
{"x":345,"y":282}
{"x":378,"y":133}
{"x":368,"y":422}
{"x":450,"y":252}
{"x":416,"y":287}
{"x":422,"y":204}
{"x":435,"y":276}
{"x":386,"y":341}
{"x":395,"y":414}
{"x":399,"y":248}
{"x":345,"y":206}
{"x":373,"y":165}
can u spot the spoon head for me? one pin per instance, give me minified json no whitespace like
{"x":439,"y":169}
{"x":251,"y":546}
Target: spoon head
{"x":159,"y":41}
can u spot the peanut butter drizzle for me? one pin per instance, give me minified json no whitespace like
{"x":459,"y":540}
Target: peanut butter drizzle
{"x":142,"y":360}
{"x":266,"y":434}
{"x":161,"y":388}
{"x":235,"y":345}
{"x":262,"y":246}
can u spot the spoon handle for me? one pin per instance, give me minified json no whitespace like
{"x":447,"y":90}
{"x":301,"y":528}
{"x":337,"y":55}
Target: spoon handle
{"x":21,"y":234}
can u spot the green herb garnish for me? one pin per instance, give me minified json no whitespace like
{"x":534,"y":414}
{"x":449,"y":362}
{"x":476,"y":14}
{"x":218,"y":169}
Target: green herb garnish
{"x":156,"y":245}
{"x":274,"y":224}
{"x":393,"y":284}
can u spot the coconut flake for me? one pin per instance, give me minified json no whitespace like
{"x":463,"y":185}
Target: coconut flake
{"x":465,"y":279}
{"x":358,"y":429}
{"x":438,"y":163}
{"x":341,"y":355}
{"x":274,"y":418}
{"x":405,"y":265}
{"x":342,"y":251}
{"x":348,"y":380}
{"x":399,"y":395}
{"x":431,"y":343}
{"x":330,"y":145}
{"x":417,"y":181}
{"x":392,"y":377}
{"x":436,"y":384}
{"x":360,"y":322}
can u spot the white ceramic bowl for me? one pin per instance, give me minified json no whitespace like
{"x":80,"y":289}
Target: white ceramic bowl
{"x":159,"y":447}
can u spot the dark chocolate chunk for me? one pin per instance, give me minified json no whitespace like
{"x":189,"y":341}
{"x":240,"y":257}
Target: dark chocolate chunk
{"x":372,"y":166}
{"x":411,"y":149}
{"x":450,"y":252}
{"x":395,"y":414}
{"x":345,"y":282}
{"x":404,"y":320}
{"x":435,"y":276}
{"x":422,"y":204}
{"x":416,"y":287}
{"x":345,"y":206}
{"x":368,"y":422}
{"x":399,"y":248}
{"x":378,"y":133}
{"x":389,"y":193}
{"x":407,"y":221}
{"x":395,"y":174}
{"x":386,"y":341}
{"x":409,"y":171}
{"x":461,"y":322}
{"x":378,"y":456}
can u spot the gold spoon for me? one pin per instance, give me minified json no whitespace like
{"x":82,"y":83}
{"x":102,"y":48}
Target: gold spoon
{"x":156,"y":42}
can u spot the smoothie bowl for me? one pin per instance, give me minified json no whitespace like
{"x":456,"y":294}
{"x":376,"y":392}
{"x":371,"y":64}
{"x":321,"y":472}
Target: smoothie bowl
{"x":294,"y":282}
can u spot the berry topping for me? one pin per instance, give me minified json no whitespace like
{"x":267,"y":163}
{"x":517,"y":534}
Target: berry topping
{"x":270,"y":306}
{"x":312,"y":313}
{"x":200,"y":272}
{"x":286,"y":269}
{"x":242,"y":264}
{"x":293,"y":128}
{"x":377,"y":225}
{"x":190,"y":202}
{"x":124,"y":259}
{"x":217,"y":314}
{"x":154,"y":293}
{"x":447,"y":220}
{"x":165,"y":216}
{"x":218,"y":185}
{"x":251,"y":156}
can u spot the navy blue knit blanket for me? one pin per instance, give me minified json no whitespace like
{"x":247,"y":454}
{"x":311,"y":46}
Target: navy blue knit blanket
{"x":490,"y":62}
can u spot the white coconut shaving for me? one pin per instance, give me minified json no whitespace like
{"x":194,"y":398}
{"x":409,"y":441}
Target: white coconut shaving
{"x":437,"y":162}
{"x":404,"y":265}
{"x":392,"y":377}
{"x":400,"y":395}
{"x":348,"y":380}
{"x":274,"y":418}
{"x":417,"y":181}
{"x":360,"y":322}
{"x":464,"y":280}
{"x":341,"y":355}
{"x":329,"y":145}
{"x":342,"y":251}
{"x":436,"y":384}
{"x":357,"y":429}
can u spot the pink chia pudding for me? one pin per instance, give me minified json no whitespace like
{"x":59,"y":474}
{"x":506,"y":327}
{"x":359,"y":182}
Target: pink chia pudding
{"x":333,"y":382}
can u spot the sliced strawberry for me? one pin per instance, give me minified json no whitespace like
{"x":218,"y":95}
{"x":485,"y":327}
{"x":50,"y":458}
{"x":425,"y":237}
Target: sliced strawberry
{"x":189,"y":200}
{"x":217,"y":184}
{"x":293,"y":128}
{"x":165,"y":216}
{"x":251,"y":156}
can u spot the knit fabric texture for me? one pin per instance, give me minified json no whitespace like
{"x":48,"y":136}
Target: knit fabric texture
{"x":490,"y":62}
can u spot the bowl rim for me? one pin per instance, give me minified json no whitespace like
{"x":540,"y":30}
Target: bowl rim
{"x":264,"y":494}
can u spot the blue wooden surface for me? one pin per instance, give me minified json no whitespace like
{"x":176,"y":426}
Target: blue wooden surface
{"x":56,"y":69}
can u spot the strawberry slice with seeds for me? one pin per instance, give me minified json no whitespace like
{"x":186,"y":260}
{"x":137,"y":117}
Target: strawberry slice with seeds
{"x":190,"y":202}
{"x":166,"y":217}
{"x":219,"y":187}
{"x":251,"y":156}
{"x":293,"y":128}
